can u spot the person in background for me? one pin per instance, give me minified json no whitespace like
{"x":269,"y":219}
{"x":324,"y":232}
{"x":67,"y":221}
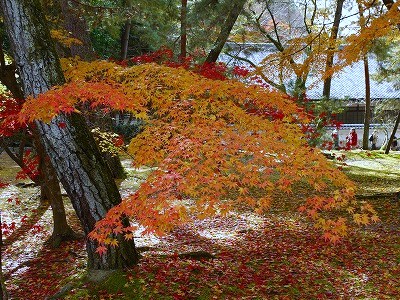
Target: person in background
{"x":335,"y":137}
{"x":352,"y":139}
{"x":394,"y":144}
{"x":373,"y":139}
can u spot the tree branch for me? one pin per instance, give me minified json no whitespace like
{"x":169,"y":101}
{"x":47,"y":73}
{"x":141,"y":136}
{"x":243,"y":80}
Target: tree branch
{"x":280,"y":87}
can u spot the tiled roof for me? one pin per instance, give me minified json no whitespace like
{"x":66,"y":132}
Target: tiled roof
{"x":348,"y":84}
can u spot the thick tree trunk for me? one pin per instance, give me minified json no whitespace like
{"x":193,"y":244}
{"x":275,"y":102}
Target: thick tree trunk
{"x":47,"y":179}
{"x":71,"y":148}
{"x":367,"y":117}
{"x":225,"y":31}
{"x":88,"y":182}
{"x":77,"y":26}
{"x":115,"y":165}
{"x":51,"y":191}
{"x":330,"y":55}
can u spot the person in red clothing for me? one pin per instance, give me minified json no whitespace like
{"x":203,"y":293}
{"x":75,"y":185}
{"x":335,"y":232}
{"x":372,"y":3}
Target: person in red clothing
{"x":352,"y":139}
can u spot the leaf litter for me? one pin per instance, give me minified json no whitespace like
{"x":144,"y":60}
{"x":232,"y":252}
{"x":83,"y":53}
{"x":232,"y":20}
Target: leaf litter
{"x":277,"y":256}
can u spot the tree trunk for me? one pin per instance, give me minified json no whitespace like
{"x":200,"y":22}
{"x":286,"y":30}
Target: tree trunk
{"x":183,"y":29}
{"x":51,"y":191}
{"x":47,"y":179}
{"x":115,"y":165}
{"x":367,"y":117}
{"x":77,"y":26}
{"x":126,"y":30}
{"x":3,"y":290}
{"x":331,"y":53}
{"x":367,"y":87}
{"x":125,"y":39}
{"x":225,"y":31}
{"x":71,"y":148}
{"x":391,"y":139}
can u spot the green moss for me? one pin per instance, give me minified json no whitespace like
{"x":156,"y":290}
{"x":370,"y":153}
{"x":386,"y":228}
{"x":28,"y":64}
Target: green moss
{"x":119,"y":284}
{"x":116,"y":284}
{"x":79,"y":294}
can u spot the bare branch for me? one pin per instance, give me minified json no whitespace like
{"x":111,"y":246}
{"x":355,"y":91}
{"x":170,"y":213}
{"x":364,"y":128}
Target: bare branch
{"x":280,"y":87}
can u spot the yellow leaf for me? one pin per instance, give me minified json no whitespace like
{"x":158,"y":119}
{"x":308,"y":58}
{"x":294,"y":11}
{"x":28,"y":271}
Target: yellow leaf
{"x":114,"y":242}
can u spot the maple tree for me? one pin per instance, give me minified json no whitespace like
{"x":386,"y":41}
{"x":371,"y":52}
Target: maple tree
{"x":214,"y":145}
{"x":381,"y":25}
{"x":254,"y":257}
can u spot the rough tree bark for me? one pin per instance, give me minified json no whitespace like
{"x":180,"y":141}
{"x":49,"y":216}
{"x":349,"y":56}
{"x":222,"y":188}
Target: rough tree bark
{"x":51,"y":191}
{"x":78,"y":28}
{"x":225,"y":31}
{"x":47,"y":179}
{"x":71,"y":147}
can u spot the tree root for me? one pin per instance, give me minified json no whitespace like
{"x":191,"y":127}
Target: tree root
{"x":56,"y":239}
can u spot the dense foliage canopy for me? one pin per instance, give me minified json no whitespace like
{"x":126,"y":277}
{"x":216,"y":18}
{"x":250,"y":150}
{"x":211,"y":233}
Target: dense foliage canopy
{"x":214,"y":145}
